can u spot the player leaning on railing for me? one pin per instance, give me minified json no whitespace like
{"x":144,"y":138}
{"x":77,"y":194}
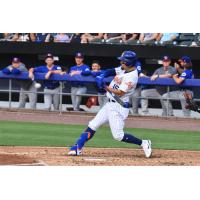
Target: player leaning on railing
{"x":28,"y":89}
{"x":116,"y":110}
{"x":51,"y":87}
{"x":184,"y":73}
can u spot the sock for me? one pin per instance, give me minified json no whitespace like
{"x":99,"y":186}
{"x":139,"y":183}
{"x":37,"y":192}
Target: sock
{"x":85,"y":136}
{"x":128,"y":138}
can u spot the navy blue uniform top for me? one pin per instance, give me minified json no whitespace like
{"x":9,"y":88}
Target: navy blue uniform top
{"x":81,"y":68}
{"x":94,"y":74}
{"x":186,"y":74}
{"x":48,"y":84}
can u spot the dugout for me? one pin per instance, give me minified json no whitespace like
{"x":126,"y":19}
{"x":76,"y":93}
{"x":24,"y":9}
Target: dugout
{"x":32,"y":54}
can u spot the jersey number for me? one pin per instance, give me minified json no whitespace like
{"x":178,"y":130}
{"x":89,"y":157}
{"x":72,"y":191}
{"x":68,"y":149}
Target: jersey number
{"x":116,"y":87}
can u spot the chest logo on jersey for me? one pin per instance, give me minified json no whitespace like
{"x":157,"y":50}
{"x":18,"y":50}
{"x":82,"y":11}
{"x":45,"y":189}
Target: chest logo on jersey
{"x":117,"y":80}
{"x":130,"y":85}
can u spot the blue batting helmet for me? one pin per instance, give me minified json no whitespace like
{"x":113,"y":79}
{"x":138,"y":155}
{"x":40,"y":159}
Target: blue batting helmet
{"x":128,"y":57}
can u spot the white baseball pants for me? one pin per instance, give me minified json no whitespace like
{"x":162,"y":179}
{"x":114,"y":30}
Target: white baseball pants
{"x":114,"y":114}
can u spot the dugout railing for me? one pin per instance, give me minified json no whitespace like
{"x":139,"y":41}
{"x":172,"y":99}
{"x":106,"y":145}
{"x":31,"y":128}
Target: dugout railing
{"x":167,"y":82}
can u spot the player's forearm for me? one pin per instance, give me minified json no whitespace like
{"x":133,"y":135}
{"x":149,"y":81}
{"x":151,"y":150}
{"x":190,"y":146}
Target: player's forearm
{"x":56,"y":71}
{"x":114,"y":91}
{"x":178,"y":80}
{"x":165,"y":76}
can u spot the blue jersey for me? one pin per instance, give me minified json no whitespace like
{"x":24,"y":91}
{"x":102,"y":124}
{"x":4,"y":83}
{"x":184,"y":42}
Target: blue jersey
{"x":48,"y":84}
{"x":186,"y":74}
{"x":81,"y":68}
{"x":92,"y":73}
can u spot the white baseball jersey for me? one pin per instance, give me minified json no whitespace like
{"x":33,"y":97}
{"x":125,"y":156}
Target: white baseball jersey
{"x":112,"y":112}
{"x":125,"y":82}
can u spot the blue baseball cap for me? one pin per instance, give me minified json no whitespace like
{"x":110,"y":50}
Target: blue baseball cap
{"x":79,"y":55}
{"x":166,"y":58}
{"x":16,"y":60}
{"x":185,"y":59}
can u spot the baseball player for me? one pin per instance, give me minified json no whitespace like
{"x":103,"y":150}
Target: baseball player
{"x":28,"y":89}
{"x":166,"y":71}
{"x":77,"y":87}
{"x":187,"y":73}
{"x":116,"y":110}
{"x":96,"y":71}
{"x":51,"y":88}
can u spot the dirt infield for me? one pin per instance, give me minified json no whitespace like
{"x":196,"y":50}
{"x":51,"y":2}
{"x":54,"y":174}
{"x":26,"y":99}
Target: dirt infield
{"x":32,"y":156}
{"x":38,"y":156}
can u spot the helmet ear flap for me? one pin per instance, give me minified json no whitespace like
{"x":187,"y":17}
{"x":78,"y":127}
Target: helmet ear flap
{"x":128,"y":57}
{"x":129,"y":63}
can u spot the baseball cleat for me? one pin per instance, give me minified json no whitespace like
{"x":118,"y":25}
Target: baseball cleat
{"x":74,"y":151}
{"x":146,"y":145}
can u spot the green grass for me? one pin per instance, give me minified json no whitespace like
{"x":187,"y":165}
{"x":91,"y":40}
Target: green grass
{"x":42,"y":134}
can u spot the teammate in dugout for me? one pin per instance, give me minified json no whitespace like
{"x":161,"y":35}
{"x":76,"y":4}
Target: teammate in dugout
{"x":96,"y":71}
{"x":28,"y":89}
{"x":51,"y":88}
{"x":183,"y":74}
{"x":78,"y":87}
{"x":116,"y":110}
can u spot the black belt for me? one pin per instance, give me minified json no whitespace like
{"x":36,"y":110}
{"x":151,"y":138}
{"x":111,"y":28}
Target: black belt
{"x":111,"y":100}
